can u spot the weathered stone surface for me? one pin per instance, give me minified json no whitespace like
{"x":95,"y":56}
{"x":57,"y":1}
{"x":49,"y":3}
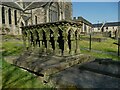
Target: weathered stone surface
{"x":53,"y":37}
{"x":79,"y":77}
{"x":49,"y":64}
{"x":33,"y":13}
{"x":106,"y":66}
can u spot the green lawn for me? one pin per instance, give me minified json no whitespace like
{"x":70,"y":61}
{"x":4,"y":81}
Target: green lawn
{"x":100,"y":55}
{"x":12,"y":48}
{"x":105,"y":46}
{"x":14,"y":77}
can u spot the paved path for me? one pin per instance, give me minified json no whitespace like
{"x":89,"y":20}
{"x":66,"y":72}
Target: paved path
{"x":99,"y":51}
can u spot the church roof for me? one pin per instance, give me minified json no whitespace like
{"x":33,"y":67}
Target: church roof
{"x":26,"y":5}
{"x":11,"y":4}
{"x":34,"y":5}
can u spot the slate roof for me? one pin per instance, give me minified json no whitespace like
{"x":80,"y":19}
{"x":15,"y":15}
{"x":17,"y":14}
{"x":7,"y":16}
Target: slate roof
{"x":97,"y":25}
{"x":26,"y":17}
{"x":81,"y":19}
{"x":34,"y":5}
{"x":113,"y":24}
{"x":26,"y":5}
{"x":11,"y":4}
{"x":107,"y":24}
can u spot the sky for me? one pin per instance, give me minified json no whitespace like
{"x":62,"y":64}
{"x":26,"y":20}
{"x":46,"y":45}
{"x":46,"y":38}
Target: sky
{"x":96,"y":11}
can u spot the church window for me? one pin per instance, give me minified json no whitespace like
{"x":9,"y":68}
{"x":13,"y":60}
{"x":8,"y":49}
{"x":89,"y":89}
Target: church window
{"x":9,"y":16}
{"x":15,"y":16}
{"x":67,"y":12}
{"x":3,"y":15}
{"x":53,"y":12}
{"x":35,"y":19}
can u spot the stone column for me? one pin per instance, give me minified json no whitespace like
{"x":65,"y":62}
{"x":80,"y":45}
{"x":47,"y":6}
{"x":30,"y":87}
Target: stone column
{"x":13,"y":22}
{"x":47,"y":14}
{"x":34,"y":38}
{"x":40,"y":33}
{"x":77,"y":50}
{"x":24,"y":39}
{"x":72,"y":38}
{"x":63,"y":9}
{"x":57,"y":49}
{"x":83,"y":27}
{"x":66,"y":49}
{"x":32,"y":34}
{"x":29,"y":38}
{"x":6,"y":16}
{"x":49,"y":46}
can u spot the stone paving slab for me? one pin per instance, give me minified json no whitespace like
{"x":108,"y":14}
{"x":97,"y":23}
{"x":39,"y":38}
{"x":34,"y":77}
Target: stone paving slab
{"x":79,"y":77}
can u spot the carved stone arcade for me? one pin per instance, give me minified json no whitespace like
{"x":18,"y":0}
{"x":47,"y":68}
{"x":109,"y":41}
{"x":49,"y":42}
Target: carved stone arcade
{"x":60,"y":38}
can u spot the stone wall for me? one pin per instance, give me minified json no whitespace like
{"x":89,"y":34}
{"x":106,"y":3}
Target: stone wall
{"x":40,"y":14}
{"x":13,"y":29}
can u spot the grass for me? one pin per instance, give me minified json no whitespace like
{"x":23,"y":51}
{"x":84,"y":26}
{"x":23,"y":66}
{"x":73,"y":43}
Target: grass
{"x":88,"y":36}
{"x":12,"y":76}
{"x":105,"y":46}
{"x":12,"y":48}
{"x":100,"y":55}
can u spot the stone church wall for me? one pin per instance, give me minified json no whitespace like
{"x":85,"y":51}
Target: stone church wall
{"x":41,"y":14}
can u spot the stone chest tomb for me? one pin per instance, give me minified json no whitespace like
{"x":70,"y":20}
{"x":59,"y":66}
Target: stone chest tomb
{"x":59,"y":38}
{"x":51,"y":47}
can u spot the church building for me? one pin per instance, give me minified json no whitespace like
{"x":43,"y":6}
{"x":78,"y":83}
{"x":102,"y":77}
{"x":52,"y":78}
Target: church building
{"x":14,"y":15}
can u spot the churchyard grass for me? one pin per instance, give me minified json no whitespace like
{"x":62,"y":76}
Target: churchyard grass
{"x":100,"y":55}
{"x":105,"y":49}
{"x":14,"y":77}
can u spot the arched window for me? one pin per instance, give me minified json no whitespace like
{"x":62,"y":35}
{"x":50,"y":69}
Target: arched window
{"x":15,"y":16}
{"x":67,"y":12}
{"x":3,"y":15}
{"x":22,"y":24}
{"x":53,"y":12}
{"x":85,"y":28}
{"x":9,"y":16}
{"x":35,"y":19}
